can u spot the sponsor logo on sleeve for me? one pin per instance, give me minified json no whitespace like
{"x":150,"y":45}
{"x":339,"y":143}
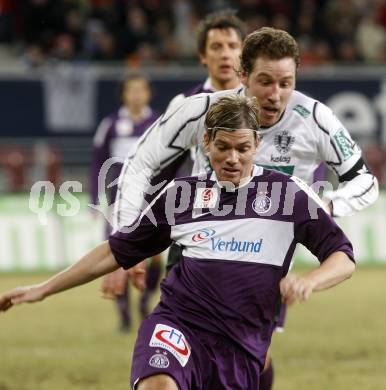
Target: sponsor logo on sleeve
{"x":345,"y":145}
{"x":172,"y":340}
{"x":302,"y":110}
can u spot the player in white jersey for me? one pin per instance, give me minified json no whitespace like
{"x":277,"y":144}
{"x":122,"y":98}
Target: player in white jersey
{"x":307,"y":134}
{"x":299,"y":132}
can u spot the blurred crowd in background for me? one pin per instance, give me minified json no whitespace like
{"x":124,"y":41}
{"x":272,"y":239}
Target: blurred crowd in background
{"x":160,"y":32}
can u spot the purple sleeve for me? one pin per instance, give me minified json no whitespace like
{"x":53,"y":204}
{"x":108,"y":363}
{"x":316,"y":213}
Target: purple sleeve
{"x":143,"y":241}
{"x":317,"y":231}
{"x":100,"y":153}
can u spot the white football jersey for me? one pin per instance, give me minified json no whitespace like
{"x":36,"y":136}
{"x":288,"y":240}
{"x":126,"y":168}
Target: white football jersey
{"x":307,"y":134}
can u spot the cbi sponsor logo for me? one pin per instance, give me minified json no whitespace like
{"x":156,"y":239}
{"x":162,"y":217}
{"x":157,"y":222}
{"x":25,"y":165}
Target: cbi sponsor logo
{"x":172,"y":340}
{"x":234,"y":245}
{"x":203,"y":234}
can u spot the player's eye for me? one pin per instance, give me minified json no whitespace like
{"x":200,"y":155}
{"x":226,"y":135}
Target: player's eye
{"x":265,"y":82}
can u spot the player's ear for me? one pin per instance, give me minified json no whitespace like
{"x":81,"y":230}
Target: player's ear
{"x":243,"y":76}
{"x":202,"y":58}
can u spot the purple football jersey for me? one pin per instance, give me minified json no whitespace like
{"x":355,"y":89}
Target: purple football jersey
{"x":237,"y":245}
{"x":116,"y":136}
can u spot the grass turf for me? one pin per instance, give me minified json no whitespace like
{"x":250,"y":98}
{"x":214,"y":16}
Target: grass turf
{"x":335,"y":341}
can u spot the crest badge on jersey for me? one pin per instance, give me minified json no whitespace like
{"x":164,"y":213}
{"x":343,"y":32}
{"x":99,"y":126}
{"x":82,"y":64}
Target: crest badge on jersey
{"x":206,"y":198}
{"x":171,"y":339}
{"x":262,"y":204}
{"x":159,"y":360}
{"x":283,"y":142}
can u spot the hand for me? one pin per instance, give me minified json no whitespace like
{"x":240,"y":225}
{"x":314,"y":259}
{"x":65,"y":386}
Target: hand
{"x":114,"y":283}
{"x":295,"y":288}
{"x":137,"y":275}
{"x":19,"y":295}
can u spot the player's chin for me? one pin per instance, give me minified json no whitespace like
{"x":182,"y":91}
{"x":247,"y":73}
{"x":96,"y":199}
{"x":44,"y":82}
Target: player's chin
{"x":230,"y":176}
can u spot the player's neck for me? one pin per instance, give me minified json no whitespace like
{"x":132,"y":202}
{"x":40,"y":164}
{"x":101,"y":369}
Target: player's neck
{"x":136,"y":113}
{"x":220,"y":86}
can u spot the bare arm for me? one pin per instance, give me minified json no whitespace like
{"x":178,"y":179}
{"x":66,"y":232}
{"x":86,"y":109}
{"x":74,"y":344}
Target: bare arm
{"x":99,"y":261}
{"x":334,"y":270}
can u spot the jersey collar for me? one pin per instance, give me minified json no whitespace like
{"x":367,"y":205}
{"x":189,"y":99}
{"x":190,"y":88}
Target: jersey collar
{"x":208,"y":86}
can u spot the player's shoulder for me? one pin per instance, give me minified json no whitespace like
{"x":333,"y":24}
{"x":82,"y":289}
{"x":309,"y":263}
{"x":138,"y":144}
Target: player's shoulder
{"x":272,"y":175}
{"x":310,"y":110}
{"x":105,"y":127}
{"x":199,"y":88}
{"x":302,"y":105}
{"x":307,"y":192}
{"x":191,"y":180}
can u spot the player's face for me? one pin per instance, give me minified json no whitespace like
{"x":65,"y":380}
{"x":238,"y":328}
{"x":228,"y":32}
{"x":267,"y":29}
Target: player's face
{"x":272,"y":82}
{"x":136,"y":94}
{"x":231,"y":154}
{"x":221,"y":57}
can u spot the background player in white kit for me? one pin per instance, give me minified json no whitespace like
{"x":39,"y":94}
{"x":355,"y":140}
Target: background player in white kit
{"x":299,"y":132}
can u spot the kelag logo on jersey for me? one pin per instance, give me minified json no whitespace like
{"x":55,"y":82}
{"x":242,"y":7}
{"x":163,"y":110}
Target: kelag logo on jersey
{"x":203,"y":234}
{"x":234,"y":245}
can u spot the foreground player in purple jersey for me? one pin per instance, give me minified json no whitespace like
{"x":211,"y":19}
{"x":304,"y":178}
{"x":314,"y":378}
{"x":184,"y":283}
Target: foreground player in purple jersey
{"x":116,"y":138}
{"x":239,"y":227}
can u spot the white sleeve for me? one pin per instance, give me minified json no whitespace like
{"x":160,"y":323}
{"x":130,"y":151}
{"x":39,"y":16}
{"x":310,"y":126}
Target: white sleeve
{"x":358,"y":188}
{"x":177,"y":100}
{"x":167,"y":139}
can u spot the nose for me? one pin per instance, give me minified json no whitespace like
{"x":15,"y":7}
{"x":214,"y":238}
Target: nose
{"x":232,"y":157}
{"x":226,"y":52}
{"x":274,"y":93}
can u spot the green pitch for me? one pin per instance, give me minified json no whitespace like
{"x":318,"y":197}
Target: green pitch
{"x":336,"y":341}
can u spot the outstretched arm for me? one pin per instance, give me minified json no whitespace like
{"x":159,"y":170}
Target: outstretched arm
{"x":99,"y":261}
{"x":334,"y":270}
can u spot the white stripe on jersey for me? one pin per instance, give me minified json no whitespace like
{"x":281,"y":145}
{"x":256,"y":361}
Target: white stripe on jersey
{"x":251,"y":240}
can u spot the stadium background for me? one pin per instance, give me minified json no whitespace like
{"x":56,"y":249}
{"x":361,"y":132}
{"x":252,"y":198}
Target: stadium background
{"x":61,"y":62}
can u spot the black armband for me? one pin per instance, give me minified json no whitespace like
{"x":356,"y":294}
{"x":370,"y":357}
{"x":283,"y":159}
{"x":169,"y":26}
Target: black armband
{"x":359,"y":168}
